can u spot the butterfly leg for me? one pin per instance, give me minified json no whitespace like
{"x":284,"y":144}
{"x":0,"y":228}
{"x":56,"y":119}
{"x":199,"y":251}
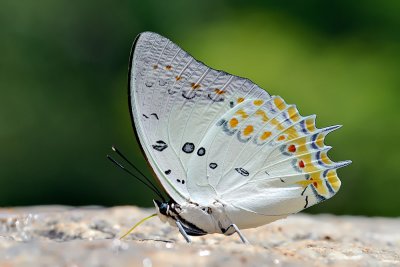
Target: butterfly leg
{"x":244,"y":240}
{"x":180,"y":227}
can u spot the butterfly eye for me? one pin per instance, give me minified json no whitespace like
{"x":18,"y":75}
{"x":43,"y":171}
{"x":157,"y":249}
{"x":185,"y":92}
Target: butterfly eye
{"x":163,"y":208}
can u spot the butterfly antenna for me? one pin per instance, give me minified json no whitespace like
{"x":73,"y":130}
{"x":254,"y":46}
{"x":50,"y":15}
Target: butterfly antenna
{"x":116,"y":150}
{"x":138,"y":178}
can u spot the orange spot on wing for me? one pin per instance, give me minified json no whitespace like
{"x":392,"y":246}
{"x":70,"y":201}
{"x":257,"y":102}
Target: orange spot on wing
{"x":219,"y":92}
{"x":265,"y":135}
{"x":258,"y":102}
{"x":195,"y":85}
{"x":248,"y":130}
{"x":178,"y":78}
{"x":233,"y":122}
{"x":240,"y":99}
{"x":281,"y":137}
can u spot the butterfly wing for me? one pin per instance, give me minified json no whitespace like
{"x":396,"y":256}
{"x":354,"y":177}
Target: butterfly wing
{"x":268,"y":161}
{"x":175,"y":100}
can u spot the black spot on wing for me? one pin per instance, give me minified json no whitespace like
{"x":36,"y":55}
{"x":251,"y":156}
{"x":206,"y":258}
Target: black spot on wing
{"x":305,"y":206}
{"x":242,"y":171}
{"x":221,"y":122}
{"x":189,"y":96}
{"x":155,"y":115}
{"x":149,"y":84}
{"x":213,"y":165}
{"x":160,"y":145}
{"x":167,"y":172}
{"x":201,"y":151}
{"x":215,"y":99}
{"x":188,"y":147}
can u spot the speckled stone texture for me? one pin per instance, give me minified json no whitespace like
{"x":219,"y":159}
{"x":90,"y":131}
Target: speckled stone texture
{"x":88,"y":236}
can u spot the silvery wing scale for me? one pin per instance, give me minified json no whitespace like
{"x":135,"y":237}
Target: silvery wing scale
{"x":229,"y":155}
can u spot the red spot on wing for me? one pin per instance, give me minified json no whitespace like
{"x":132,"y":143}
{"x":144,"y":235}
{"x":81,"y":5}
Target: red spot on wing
{"x":292,"y":148}
{"x":301,"y":164}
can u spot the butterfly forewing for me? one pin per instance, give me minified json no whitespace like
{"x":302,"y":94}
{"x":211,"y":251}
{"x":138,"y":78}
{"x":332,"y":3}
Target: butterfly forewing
{"x":175,"y":100}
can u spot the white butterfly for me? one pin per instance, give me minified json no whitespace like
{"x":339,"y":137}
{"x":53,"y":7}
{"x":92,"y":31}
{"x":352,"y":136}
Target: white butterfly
{"x":229,"y":155}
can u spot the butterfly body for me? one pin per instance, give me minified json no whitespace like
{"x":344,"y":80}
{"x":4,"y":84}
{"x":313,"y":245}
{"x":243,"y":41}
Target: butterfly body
{"x":228,"y":154}
{"x":196,"y":220}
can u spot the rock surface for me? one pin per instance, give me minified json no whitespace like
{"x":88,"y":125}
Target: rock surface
{"x":88,"y":236}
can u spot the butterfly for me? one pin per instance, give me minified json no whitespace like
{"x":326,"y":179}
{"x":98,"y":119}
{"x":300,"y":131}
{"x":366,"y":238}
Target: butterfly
{"x":228,"y":154}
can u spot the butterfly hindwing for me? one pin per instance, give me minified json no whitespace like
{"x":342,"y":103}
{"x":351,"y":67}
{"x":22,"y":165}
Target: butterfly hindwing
{"x":271,"y":161}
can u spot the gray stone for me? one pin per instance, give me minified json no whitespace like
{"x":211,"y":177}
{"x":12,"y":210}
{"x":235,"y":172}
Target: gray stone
{"x":89,"y":236}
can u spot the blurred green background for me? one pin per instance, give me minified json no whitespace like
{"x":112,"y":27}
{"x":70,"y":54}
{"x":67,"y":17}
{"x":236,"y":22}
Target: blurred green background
{"x":63,"y":81}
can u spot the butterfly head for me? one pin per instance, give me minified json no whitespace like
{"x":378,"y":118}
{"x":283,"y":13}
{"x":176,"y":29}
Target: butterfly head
{"x":162,"y":207}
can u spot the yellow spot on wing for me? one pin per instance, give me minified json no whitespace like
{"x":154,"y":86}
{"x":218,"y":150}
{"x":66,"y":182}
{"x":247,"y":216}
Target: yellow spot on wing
{"x":279,"y":103}
{"x":258,"y":102}
{"x":242,"y":113}
{"x":292,"y":133}
{"x":310,"y":124}
{"x":248,"y":130}
{"x":265,"y":135}
{"x":261,"y":113}
{"x":301,"y":145}
{"x":325,"y":159}
{"x":240,"y":99}
{"x":277,"y":124}
{"x":293,"y":114}
{"x":316,"y":181}
{"x":320,"y":140}
{"x":233,"y":122}
{"x":309,"y":167}
{"x":333,"y":180}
